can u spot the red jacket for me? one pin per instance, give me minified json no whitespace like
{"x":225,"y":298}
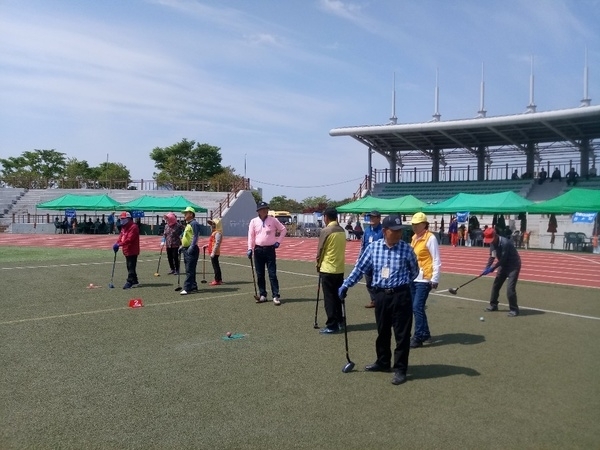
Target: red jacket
{"x":129,"y":239}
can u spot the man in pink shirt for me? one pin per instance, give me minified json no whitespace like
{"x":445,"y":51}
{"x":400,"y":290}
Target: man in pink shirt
{"x":265,"y":234}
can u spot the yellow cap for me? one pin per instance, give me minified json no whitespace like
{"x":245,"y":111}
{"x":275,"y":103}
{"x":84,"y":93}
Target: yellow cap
{"x":418,"y":218}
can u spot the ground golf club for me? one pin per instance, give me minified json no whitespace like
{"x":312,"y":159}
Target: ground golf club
{"x":203,"y":281}
{"x":453,"y":291}
{"x":157,"y":274}
{"x":350,"y":365}
{"x":178,"y":288}
{"x":316,"y":324}
{"x":256,"y":297}
{"x":111,"y":285}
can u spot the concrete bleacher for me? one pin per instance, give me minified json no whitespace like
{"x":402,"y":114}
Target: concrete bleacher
{"x":437,"y":192}
{"x":592,"y":183}
{"x":8,"y":199}
{"x":26,"y":204}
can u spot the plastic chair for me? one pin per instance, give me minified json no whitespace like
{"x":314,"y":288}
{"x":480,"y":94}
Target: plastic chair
{"x":570,"y":239}
{"x":583,"y":242}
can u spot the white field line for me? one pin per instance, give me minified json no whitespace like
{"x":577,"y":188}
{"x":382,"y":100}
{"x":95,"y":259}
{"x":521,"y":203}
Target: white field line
{"x":579,"y":316}
{"x":194,"y":299}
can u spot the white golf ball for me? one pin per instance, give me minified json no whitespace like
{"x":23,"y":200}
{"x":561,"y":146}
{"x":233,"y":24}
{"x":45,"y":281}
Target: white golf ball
{"x":482,"y":319}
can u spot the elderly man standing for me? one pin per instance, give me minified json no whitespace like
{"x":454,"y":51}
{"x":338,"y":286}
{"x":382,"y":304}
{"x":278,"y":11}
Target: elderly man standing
{"x":331,"y":253}
{"x":373,"y":233}
{"x":265,"y":234}
{"x":509,"y":266}
{"x":394,"y":266}
{"x":191,"y":251}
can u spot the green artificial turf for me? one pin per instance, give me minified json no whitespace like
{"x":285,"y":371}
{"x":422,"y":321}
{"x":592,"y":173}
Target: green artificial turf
{"x":80,"y":369}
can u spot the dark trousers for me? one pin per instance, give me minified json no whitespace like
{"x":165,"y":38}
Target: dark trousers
{"x":190,"y":258}
{"x":216,"y":267}
{"x":131,"y":262}
{"x":173,"y":258}
{"x":512,"y":274}
{"x":265,"y":256}
{"x":369,"y":280}
{"x":393,"y":311}
{"x":330,"y":283}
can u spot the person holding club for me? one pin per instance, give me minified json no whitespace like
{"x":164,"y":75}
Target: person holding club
{"x":214,"y":249}
{"x":172,"y":236}
{"x":263,"y":240}
{"x":190,"y":250}
{"x":129,"y":241}
{"x":425,"y":246}
{"x":509,"y":265}
{"x":394,"y":266}
{"x":331,"y":252}
{"x":373,"y":233}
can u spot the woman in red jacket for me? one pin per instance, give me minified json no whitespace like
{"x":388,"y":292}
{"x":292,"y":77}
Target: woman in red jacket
{"x":129,"y":240}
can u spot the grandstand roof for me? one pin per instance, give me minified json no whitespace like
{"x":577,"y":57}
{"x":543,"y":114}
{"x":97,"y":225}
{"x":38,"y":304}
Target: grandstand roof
{"x":567,"y":125}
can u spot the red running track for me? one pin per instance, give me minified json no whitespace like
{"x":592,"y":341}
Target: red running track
{"x":558,"y":267}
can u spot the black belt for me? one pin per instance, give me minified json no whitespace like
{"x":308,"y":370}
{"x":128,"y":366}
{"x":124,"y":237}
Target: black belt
{"x":392,"y":290}
{"x":263,"y":246}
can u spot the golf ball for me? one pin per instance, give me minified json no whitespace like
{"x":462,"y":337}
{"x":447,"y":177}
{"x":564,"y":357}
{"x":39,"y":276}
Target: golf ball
{"x":228,"y":334}
{"x":482,"y":319}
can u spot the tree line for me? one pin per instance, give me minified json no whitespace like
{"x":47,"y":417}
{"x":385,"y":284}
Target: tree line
{"x":185,"y":165}
{"x":178,"y":167}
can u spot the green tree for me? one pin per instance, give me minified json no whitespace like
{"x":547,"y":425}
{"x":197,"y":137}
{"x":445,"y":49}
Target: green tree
{"x":77,"y":173}
{"x":257,"y":196}
{"x":227,"y":180}
{"x":315,"y":204}
{"x":282,"y":203}
{"x":186,"y":164}
{"x":34,"y":169}
{"x":111,"y":175}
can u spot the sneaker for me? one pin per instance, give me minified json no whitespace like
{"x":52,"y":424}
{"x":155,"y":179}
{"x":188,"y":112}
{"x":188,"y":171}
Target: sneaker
{"x":370,"y":305}
{"x":172,"y":272}
{"x":513,"y":313}
{"x":416,"y":343}
{"x":276,"y":301}
{"x":183,"y":292}
{"x":127,"y":285}
{"x":216,"y":283}
{"x":492,"y":308}
{"x":327,"y":330}
{"x":136,"y":285}
{"x":262,"y":299}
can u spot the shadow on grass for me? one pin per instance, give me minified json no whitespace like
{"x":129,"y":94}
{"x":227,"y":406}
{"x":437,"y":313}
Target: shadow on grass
{"x":530,"y":312}
{"x":233,"y":283}
{"x":362,"y":327}
{"x":297,"y":300}
{"x":456,"y":338}
{"x":427,"y":371}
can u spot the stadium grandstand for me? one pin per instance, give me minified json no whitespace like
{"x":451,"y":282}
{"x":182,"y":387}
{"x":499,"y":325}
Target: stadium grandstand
{"x":436,"y":159}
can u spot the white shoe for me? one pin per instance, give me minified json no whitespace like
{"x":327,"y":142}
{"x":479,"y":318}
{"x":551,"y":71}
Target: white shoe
{"x":183,"y":292}
{"x":276,"y":301}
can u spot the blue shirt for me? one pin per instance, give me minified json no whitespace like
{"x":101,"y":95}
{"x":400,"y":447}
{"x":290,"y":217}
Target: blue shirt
{"x":372,"y":234}
{"x":400,"y":261}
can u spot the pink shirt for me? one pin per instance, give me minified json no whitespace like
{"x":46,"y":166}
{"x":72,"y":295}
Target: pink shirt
{"x":263,"y":233}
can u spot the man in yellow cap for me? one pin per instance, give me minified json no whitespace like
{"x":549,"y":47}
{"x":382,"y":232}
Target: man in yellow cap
{"x":189,"y":248}
{"x":425,"y":246}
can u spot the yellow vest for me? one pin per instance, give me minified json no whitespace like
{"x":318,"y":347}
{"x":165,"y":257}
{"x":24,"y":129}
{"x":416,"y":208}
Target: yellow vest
{"x":424,"y":257}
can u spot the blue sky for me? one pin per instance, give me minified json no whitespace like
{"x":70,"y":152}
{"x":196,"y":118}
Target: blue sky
{"x":265,"y":80}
